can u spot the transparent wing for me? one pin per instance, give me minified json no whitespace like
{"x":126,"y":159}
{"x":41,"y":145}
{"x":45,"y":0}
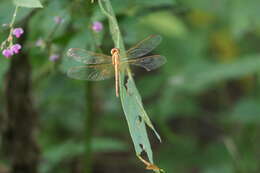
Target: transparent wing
{"x":144,"y":47}
{"x":148,"y":62}
{"x":88,"y":57}
{"x":91,"y":72}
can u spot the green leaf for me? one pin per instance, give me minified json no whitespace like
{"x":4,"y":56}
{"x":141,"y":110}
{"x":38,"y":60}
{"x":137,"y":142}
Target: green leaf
{"x":244,"y":17}
{"x":165,"y":23}
{"x":108,"y":144}
{"x":5,"y":8}
{"x":136,"y":118}
{"x":69,"y":149}
{"x":28,"y":3}
{"x":246,"y":111}
{"x":156,"y":2}
{"x":204,"y":75}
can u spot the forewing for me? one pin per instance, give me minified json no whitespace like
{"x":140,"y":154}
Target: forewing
{"x":91,"y":72}
{"x":144,"y":47}
{"x":148,"y":62}
{"x":88,"y":57}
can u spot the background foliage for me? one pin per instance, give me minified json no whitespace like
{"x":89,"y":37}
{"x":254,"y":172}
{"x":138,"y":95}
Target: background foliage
{"x":204,"y":101}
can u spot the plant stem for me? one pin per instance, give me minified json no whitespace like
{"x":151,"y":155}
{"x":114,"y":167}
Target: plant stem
{"x":10,"y":38}
{"x":88,"y":127}
{"x":90,"y":111}
{"x":11,"y":25}
{"x":14,"y":16}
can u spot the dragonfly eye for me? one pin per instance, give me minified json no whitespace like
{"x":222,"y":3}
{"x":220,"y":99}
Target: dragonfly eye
{"x":115,"y":50}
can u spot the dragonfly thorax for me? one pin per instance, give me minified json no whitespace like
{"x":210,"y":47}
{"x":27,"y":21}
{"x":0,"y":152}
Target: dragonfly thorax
{"x":115,"y":51}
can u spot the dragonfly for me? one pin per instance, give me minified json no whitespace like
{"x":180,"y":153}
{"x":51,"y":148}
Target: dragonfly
{"x":99,"y":66}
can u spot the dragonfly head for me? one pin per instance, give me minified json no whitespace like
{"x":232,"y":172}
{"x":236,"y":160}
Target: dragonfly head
{"x":115,"y":51}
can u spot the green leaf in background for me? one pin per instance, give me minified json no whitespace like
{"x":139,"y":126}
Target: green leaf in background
{"x":200,"y":76}
{"x":28,"y":3}
{"x":246,"y":111}
{"x":130,"y":6}
{"x":165,"y":23}
{"x":5,"y":15}
{"x":6,"y":10}
{"x":244,"y":16}
{"x":69,"y":149}
{"x":101,"y":144}
{"x":155,"y":2}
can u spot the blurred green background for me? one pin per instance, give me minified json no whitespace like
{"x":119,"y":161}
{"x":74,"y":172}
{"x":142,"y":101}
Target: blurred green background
{"x":204,"y":101}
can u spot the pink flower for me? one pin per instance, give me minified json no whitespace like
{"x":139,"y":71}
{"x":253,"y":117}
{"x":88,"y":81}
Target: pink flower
{"x":97,"y":26}
{"x":7,"y":53}
{"x":39,"y":43}
{"x":5,"y":25}
{"x":54,"y":57}
{"x":58,"y":19}
{"x":16,"y":48}
{"x":18,"y":32}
